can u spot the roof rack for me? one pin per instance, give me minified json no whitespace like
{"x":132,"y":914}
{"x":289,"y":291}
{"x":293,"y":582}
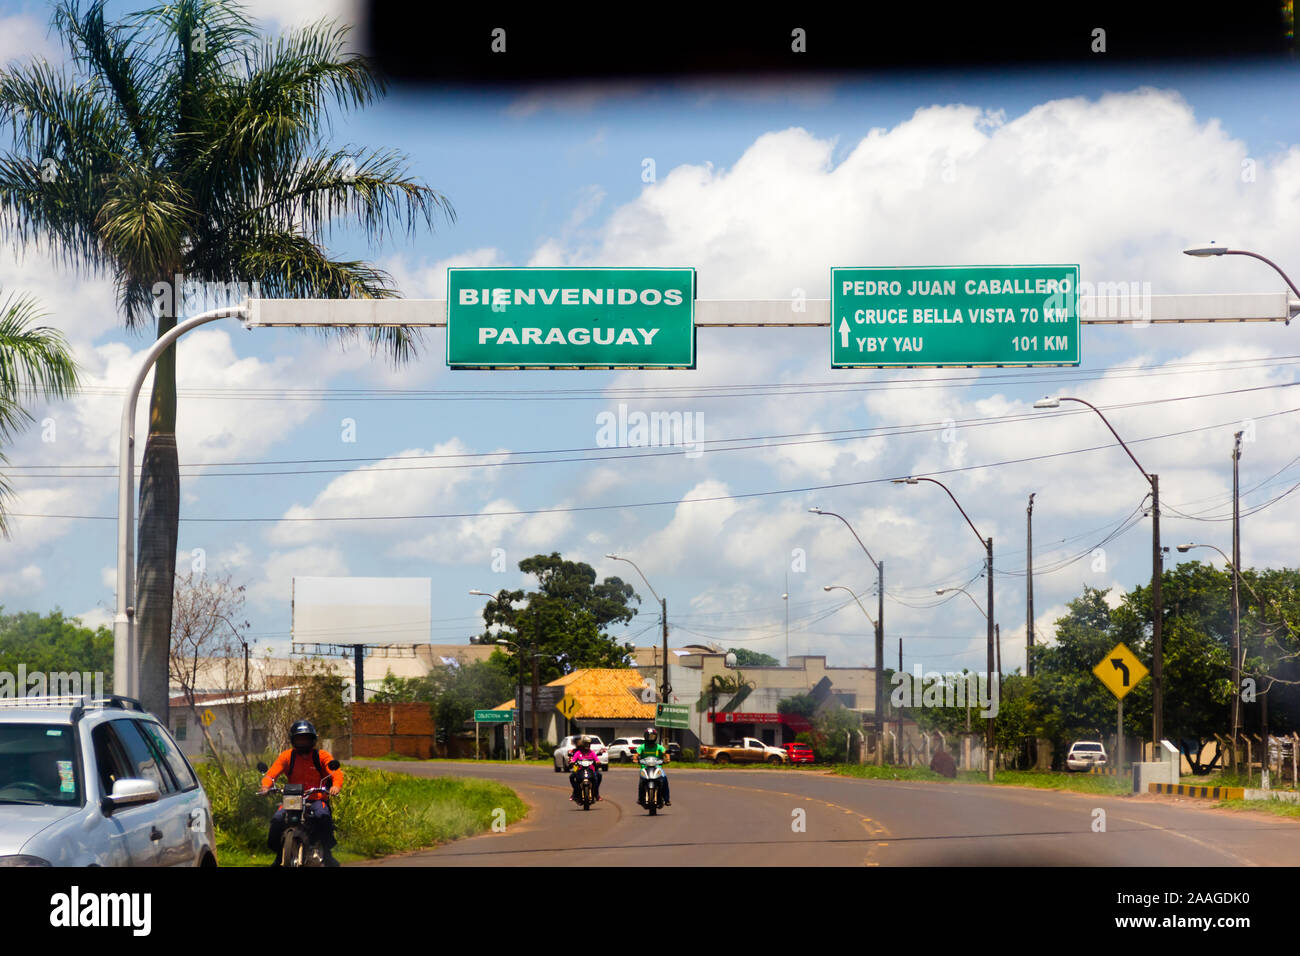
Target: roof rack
{"x":62,"y":700}
{"x":120,"y":702}
{"x":78,"y":703}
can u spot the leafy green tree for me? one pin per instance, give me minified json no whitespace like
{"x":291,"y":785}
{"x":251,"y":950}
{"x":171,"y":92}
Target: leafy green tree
{"x":181,"y":142}
{"x":831,"y":736}
{"x":1070,"y":699}
{"x":748,"y":658}
{"x":34,"y":363}
{"x":563,"y":619}
{"x":801,"y":704}
{"x":52,"y":643}
{"x":459,"y":691}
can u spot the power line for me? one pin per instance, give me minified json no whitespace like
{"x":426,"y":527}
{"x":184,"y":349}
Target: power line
{"x":676,"y":502}
{"x":758,"y":442}
{"x":695,"y":391}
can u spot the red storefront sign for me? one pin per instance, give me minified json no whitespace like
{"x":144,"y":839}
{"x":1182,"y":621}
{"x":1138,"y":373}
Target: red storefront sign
{"x":794,"y":721}
{"x":731,"y":717}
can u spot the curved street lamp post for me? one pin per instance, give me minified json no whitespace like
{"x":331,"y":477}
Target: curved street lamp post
{"x":988,"y":547}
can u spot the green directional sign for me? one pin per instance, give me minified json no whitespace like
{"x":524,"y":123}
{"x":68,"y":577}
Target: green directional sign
{"x":570,"y":318}
{"x":936,"y":316}
{"x":494,"y":716}
{"x":673,"y":716}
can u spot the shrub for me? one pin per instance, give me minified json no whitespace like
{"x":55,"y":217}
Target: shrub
{"x":377,"y":813}
{"x":688,"y":754}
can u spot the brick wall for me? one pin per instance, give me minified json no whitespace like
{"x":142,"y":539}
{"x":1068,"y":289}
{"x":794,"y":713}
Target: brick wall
{"x":381,"y":729}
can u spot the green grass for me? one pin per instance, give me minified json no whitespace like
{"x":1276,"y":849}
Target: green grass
{"x":1040,"y":779}
{"x":1276,"y":807}
{"x":1234,"y":780}
{"x":377,"y":814}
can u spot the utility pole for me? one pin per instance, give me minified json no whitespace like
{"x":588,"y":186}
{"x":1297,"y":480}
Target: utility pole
{"x":785,"y":596}
{"x":898,"y":744}
{"x":359,"y":669}
{"x":667,"y":687}
{"x":1236,"y":597}
{"x":1029,"y":612}
{"x":989,"y":722}
{"x":534,"y":708}
{"x":1029,"y":590}
{"x":1157,"y":615}
{"x":880,"y":657}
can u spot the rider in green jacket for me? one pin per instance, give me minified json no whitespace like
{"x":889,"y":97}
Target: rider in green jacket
{"x":651,"y":747}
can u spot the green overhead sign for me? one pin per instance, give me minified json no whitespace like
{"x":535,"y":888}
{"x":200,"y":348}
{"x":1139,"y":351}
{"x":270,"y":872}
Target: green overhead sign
{"x":673,"y":716}
{"x":934,"y":316}
{"x":494,"y":716}
{"x":570,"y":318}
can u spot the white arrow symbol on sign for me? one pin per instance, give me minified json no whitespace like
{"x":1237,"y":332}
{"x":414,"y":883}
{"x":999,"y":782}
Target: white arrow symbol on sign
{"x":844,"y":333}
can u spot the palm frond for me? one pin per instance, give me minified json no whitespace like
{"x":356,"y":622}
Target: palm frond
{"x":34,"y":360}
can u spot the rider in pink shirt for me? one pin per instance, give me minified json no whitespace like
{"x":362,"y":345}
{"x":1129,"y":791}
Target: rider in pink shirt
{"x":583,"y":751}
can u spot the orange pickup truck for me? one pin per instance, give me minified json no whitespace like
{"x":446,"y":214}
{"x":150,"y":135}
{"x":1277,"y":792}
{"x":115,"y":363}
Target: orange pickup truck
{"x":748,"y":750}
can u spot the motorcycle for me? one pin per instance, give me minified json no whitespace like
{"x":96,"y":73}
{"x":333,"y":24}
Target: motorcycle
{"x":297,"y":847}
{"x":652,"y":779}
{"x":586,"y":783}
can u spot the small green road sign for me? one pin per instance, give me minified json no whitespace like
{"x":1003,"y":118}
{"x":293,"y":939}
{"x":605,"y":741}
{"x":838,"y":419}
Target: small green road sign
{"x":673,"y":716}
{"x":570,"y":318}
{"x":938,"y":316}
{"x":494,"y":716}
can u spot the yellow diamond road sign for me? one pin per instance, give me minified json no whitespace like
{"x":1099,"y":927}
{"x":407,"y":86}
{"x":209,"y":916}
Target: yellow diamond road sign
{"x":1120,"y":671}
{"x":208,"y":717}
{"x":568,"y":706}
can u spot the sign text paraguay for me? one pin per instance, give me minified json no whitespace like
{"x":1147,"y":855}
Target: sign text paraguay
{"x":570,"y":318}
{"x":891,"y":316}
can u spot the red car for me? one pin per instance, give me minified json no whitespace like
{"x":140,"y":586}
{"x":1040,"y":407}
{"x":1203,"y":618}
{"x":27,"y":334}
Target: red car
{"x":798,"y":753}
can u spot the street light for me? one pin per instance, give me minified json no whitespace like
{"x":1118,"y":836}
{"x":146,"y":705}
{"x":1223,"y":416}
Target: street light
{"x":942,"y":591}
{"x":126,"y":650}
{"x":880,"y":633}
{"x":1202,"y":252}
{"x":840,"y":587}
{"x":1157,"y":571}
{"x":988,"y":545}
{"x":663,"y":605}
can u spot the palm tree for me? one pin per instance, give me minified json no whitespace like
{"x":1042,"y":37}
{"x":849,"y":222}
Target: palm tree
{"x":181,"y":142}
{"x":34,"y":363}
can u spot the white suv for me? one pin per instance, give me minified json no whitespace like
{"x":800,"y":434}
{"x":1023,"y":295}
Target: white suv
{"x":623,"y":748}
{"x":97,"y":783}
{"x":1084,"y":754}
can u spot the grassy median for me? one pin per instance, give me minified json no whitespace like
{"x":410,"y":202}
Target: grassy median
{"x":1040,"y":779}
{"x":377,"y":814}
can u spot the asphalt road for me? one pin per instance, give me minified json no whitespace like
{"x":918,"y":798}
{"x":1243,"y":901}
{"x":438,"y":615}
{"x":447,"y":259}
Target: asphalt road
{"x":752,"y":817}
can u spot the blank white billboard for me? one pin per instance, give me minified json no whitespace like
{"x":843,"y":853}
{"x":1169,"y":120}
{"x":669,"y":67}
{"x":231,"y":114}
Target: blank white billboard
{"x":362,"y":610}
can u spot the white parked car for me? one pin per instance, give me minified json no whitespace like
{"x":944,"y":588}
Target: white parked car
{"x":569,"y":744}
{"x":1084,"y":754}
{"x":623,"y":748}
{"x":97,"y":783}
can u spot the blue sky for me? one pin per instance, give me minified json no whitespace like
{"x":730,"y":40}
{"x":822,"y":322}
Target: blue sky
{"x":762,"y":188}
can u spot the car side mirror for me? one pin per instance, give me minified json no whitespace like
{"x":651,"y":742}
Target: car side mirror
{"x":129,"y":793}
{"x":333,"y":765}
{"x":261,"y":765}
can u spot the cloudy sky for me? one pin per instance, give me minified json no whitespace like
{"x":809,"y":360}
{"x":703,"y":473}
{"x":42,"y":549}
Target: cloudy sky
{"x":762,"y":188}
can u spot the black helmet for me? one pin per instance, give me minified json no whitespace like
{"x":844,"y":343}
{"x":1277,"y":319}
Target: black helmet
{"x":651,"y":734}
{"x":302,"y":727}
